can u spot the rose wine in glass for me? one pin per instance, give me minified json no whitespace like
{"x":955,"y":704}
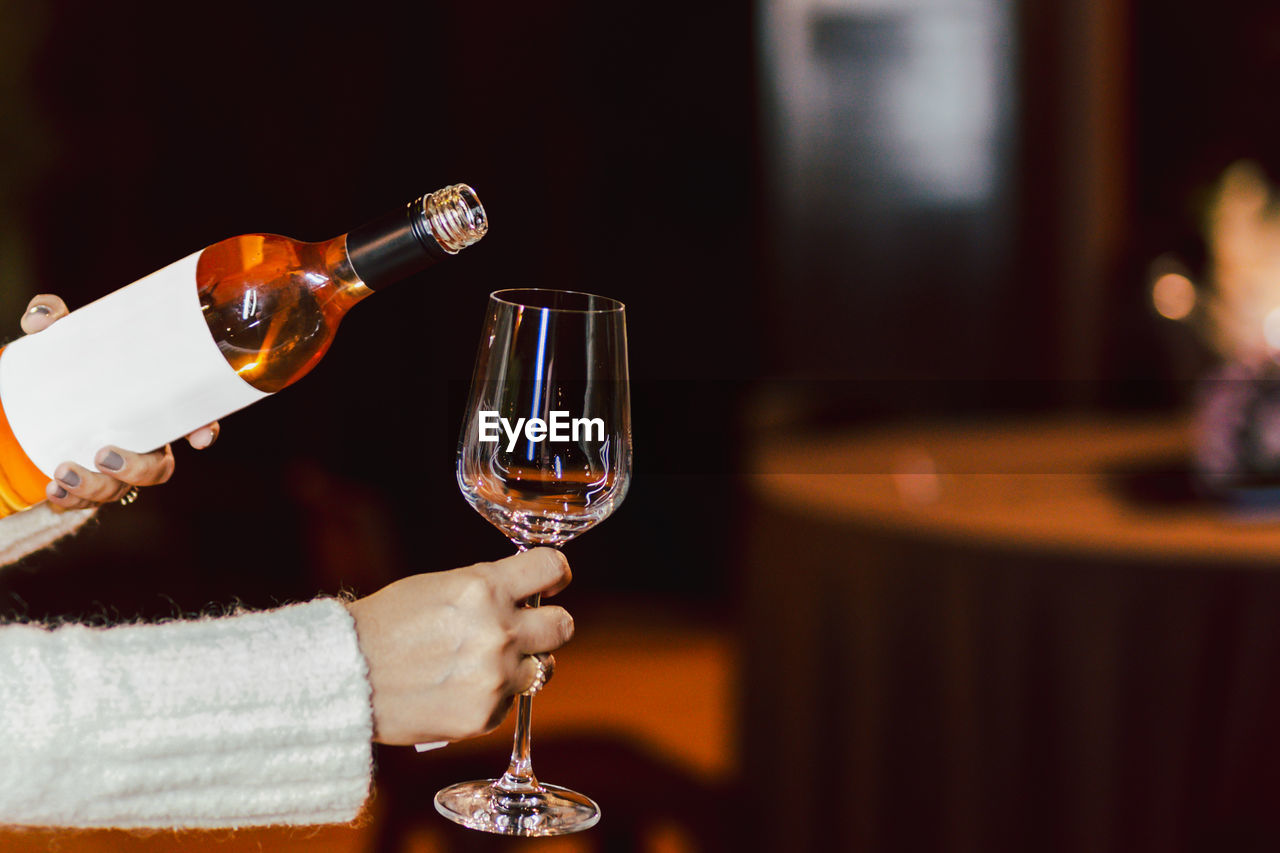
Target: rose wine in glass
{"x":544,"y":455}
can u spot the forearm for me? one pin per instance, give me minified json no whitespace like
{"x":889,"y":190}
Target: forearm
{"x":256,"y":719}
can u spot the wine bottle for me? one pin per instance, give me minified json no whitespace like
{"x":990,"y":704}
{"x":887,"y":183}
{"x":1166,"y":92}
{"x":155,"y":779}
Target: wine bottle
{"x":202,"y":338}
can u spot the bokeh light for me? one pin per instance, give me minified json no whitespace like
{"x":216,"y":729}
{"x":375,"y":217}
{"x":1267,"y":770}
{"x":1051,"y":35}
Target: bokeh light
{"x":1271,"y":330}
{"x":1174,"y":296}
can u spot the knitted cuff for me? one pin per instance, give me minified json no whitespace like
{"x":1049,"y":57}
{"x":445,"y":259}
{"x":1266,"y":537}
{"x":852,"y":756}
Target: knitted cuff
{"x":26,"y":532}
{"x":255,"y":719}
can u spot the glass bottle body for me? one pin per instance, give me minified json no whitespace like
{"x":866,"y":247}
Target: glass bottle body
{"x":272,"y":304}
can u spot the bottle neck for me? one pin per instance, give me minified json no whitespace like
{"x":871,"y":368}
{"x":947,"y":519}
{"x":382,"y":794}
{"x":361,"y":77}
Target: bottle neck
{"x":424,"y":232}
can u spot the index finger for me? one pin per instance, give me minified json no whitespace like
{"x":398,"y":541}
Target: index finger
{"x":42,"y":311}
{"x":543,"y":570}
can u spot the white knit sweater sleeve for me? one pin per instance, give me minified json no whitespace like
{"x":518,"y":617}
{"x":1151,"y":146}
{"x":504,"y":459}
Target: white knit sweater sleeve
{"x":25,"y":532}
{"x":254,"y":719}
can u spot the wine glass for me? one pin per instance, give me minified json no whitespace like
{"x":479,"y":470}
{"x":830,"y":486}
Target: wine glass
{"x":545,"y":454}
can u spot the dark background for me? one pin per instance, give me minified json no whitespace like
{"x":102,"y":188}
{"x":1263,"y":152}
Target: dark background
{"x":629,"y":150}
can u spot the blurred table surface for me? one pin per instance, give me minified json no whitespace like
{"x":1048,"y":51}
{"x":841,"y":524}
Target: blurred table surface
{"x":1118,"y":486}
{"x":1014,"y":634}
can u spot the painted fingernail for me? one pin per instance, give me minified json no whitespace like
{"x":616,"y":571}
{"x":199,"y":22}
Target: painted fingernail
{"x":40,"y":310}
{"x":112,"y":461}
{"x":202,"y":439}
{"x":59,"y":492}
{"x":71,"y":478}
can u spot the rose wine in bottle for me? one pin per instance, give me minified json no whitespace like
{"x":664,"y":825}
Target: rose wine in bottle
{"x":202,"y":338}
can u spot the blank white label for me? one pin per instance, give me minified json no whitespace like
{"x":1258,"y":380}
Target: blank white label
{"x":137,"y":369}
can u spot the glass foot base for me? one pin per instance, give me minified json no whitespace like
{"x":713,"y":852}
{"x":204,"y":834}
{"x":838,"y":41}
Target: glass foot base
{"x":545,"y":810}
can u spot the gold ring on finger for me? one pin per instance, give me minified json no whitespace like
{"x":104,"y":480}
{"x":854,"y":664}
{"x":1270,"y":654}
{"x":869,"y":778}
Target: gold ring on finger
{"x":546,"y":663}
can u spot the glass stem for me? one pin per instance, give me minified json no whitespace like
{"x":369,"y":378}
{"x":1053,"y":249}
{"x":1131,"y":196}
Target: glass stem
{"x":519,"y":778}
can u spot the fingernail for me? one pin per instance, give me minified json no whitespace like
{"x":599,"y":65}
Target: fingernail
{"x":112,"y":461}
{"x":40,"y":310}
{"x":59,"y":492}
{"x":71,"y":478}
{"x":202,"y":439}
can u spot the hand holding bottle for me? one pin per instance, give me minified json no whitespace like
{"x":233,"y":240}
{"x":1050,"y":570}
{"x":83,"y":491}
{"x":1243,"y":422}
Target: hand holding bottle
{"x":448,"y":651}
{"x":202,"y":338}
{"x":76,"y":487}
